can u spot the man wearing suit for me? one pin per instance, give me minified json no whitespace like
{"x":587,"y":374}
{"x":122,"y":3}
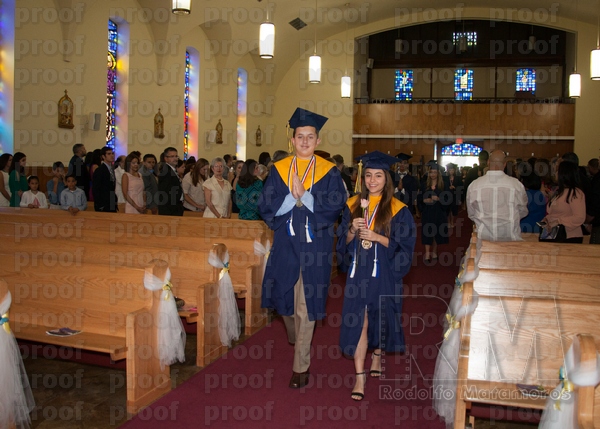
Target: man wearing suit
{"x":78,"y":169}
{"x":406,"y":185}
{"x":103,"y":183}
{"x":170,"y":193}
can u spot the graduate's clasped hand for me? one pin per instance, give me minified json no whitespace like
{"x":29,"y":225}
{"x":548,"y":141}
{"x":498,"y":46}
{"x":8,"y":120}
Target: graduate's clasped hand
{"x":297,"y":187}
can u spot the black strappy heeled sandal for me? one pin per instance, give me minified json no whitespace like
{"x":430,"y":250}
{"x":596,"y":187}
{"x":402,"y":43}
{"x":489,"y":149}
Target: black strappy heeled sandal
{"x":359,"y":394}
{"x":374,"y":372}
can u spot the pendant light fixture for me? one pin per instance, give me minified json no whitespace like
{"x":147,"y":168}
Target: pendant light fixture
{"x":398,"y":46}
{"x":575,"y":78}
{"x":314,"y":62}
{"x":346,"y":80}
{"x":531,"y":43}
{"x":595,"y":57}
{"x":462,"y":40}
{"x":181,"y":7}
{"x":267,"y":38}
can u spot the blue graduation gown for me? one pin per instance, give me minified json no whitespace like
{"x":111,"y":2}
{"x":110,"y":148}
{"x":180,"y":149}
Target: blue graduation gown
{"x":291,"y":254}
{"x":381,"y":295}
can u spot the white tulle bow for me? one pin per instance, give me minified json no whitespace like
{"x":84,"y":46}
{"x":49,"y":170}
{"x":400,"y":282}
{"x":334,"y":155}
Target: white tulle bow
{"x":171,"y":335}
{"x":16,"y":400}
{"x":561,"y":405}
{"x":229,"y":317}
{"x":446,"y":366}
{"x":262,"y":251}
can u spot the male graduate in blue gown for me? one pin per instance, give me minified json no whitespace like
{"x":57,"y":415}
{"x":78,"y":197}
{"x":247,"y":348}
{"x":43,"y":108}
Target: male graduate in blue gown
{"x":301,"y":199}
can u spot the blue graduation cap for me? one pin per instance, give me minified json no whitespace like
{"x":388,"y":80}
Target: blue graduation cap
{"x":306,"y":118}
{"x":433,"y":165}
{"x":403,"y":157}
{"x":377,"y":160}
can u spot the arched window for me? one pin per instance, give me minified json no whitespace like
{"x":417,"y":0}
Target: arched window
{"x":242,"y":101}
{"x":186,"y":106}
{"x":461,"y":149}
{"x":111,"y":85}
{"x":191,"y":97}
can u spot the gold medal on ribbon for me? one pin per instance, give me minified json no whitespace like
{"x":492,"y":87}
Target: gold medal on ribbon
{"x":366,"y":244}
{"x":299,"y":203}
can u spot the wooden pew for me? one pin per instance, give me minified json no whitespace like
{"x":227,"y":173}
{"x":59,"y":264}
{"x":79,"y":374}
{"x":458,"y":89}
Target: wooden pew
{"x":114,"y":311}
{"x":525,"y":320}
{"x":588,"y":396}
{"x":186,"y":256}
{"x":134,"y":245}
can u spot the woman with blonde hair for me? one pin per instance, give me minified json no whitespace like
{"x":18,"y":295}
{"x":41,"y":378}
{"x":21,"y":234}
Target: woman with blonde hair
{"x":217,"y":191}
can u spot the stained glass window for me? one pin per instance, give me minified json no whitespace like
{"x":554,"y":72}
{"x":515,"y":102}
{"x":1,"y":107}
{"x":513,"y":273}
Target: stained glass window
{"x":471,"y":37}
{"x":526,"y":80}
{"x":403,"y":86}
{"x":186,"y":106}
{"x":461,"y":149}
{"x":111,"y":84}
{"x":463,"y":84}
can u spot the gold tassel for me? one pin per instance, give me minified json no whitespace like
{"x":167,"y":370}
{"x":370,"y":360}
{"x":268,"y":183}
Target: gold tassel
{"x":289,"y":138}
{"x":358,"y":185}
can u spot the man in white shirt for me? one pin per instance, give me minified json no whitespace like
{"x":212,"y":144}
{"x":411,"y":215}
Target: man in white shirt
{"x":497,"y":202}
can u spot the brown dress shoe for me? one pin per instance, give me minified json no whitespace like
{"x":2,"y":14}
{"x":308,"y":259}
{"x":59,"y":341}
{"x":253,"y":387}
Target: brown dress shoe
{"x":299,"y":379}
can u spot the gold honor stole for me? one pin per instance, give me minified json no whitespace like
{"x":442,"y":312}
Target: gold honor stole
{"x":319,"y":169}
{"x":397,"y":205}
{"x":322,"y":167}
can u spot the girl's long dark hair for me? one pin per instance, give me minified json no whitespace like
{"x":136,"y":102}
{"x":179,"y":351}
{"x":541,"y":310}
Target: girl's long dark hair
{"x":384,"y":212}
{"x":247,"y":178}
{"x":16,"y":163}
{"x":568,"y":179}
{"x":4,"y":160}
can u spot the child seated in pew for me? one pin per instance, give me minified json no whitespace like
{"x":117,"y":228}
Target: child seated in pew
{"x":33,"y":198}
{"x":56,"y":185}
{"x":73,"y":198}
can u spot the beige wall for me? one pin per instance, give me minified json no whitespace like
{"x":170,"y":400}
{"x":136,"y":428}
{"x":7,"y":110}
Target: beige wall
{"x":36,"y":94}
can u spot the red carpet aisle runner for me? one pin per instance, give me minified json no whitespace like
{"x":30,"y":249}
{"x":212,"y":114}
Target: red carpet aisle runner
{"x":248,"y":387}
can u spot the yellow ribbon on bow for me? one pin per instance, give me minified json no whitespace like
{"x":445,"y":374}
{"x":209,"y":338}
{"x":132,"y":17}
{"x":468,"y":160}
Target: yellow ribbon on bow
{"x":5,"y":324}
{"x":167,"y":287}
{"x":567,"y":387}
{"x":452,"y":324}
{"x":224,"y":270}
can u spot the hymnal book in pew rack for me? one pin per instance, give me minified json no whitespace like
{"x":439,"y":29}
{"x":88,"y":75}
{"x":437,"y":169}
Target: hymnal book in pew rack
{"x":62,"y":332}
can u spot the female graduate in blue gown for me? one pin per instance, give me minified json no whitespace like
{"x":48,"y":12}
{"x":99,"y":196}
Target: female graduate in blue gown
{"x":376,"y":239}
